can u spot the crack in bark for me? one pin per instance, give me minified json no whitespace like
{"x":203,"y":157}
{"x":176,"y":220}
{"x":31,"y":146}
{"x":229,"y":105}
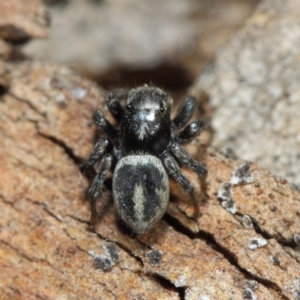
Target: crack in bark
{"x":163,"y":281}
{"x":16,"y":290}
{"x":30,"y":166}
{"x":266,"y":235}
{"x":123,"y":247}
{"x":167,"y":284}
{"x":108,"y":290}
{"x":10,"y":203}
{"x":75,"y":240}
{"x":86,"y":252}
{"x":43,"y":205}
{"x":53,"y":139}
{"x":44,"y":115}
{"x":29,"y":258}
{"x":3,"y":90}
{"x":226,"y":253}
{"x":62,"y":144}
{"x":18,"y":251}
{"x":290,"y":254}
{"x":45,"y":208}
{"x":79,"y":220}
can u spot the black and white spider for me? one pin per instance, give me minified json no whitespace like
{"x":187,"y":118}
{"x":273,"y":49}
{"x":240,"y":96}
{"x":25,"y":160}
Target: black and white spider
{"x":146,"y":146}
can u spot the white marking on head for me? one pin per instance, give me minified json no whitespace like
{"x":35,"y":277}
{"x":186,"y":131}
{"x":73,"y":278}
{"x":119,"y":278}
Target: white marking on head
{"x":142,"y":131}
{"x":150,"y":116}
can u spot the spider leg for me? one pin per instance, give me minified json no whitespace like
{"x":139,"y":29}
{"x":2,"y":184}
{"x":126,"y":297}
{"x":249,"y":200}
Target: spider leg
{"x":190,"y":131}
{"x":185,"y":113}
{"x":96,"y":153}
{"x":185,"y":158}
{"x":174,"y":171}
{"x":105,"y":126}
{"x":95,"y":188}
{"x":114,"y":105}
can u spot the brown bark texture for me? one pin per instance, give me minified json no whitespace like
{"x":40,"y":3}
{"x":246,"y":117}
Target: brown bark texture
{"x":244,"y":245}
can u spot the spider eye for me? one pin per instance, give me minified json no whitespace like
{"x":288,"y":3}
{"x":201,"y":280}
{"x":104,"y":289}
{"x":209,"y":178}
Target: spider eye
{"x":128,"y":106}
{"x":162,"y":109}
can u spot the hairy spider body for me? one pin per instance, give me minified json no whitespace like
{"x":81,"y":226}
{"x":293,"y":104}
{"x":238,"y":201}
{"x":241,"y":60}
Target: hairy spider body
{"x":142,"y":200}
{"x":145,"y":148}
{"x":146,"y":126}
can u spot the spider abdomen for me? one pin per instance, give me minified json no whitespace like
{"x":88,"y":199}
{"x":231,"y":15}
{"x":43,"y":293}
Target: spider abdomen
{"x":141,"y":191}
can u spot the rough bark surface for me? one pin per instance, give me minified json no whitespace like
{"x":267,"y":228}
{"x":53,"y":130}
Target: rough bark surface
{"x":254,"y":82}
{"x":19,"y":22}
{"x":48,"y":250}
{"x":245,"y":245}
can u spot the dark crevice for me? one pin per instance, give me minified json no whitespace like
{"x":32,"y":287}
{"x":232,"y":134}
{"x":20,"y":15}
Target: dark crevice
{"x":16,"y":250}
{"x":233,"y":259}
{"x":3,"y":90}
{"x":50,"y":213}
{"x":15,"y":290}
{"x":109,"y":291}
{"x":175,"y":223}
{"x":75,"y":240}
{"x":264,"y":233}
{"x":291,"y":255}
{"x":20,"y":38}
{"x":28,"y":258}
{"x":40,"y":297}
{"x":267,"y":236}
{"x":21,"y":162}
{"x":168,"y":285}
{"x":45,"y":208}
{"x":164,"y":282}
{"x":79,"y":220}
{"x":226,"y":253}
{"x":86,"y":252}
{"x":126,"y":249}
{"x":28,"y":103}
{"x":171,"y":77}
{"x":55,"y":140}
{"x":62,"y":144}
{"x":10,"y":203}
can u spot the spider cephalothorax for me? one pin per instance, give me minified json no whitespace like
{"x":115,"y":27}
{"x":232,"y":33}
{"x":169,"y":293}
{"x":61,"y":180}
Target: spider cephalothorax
{"x":142,"y":151}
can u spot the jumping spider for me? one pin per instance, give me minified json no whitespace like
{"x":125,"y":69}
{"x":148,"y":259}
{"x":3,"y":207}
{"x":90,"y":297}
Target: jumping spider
{"x":145,"y":148}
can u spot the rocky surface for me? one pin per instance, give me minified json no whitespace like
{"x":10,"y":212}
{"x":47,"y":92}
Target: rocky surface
{"x":254,"y":89}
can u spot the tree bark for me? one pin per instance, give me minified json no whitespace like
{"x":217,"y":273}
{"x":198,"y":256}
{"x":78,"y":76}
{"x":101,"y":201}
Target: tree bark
{"x":48,"y":250}
{"x":244,"y":245}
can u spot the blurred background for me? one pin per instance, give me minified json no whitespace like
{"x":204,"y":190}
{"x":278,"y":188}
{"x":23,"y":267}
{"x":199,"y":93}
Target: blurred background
{"x":127,"y":43}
